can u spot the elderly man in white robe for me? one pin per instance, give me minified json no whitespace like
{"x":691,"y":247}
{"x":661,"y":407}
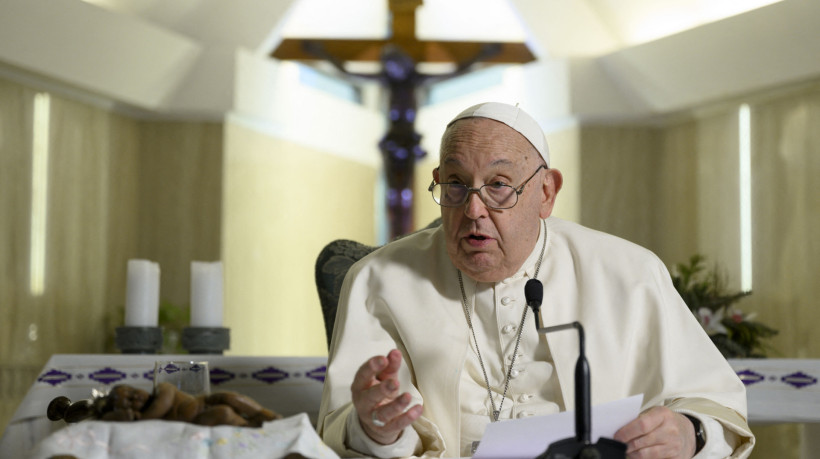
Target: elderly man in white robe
{"x":433,"y":339}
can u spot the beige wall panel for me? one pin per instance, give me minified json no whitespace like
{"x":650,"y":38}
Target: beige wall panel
{"x":675,"y":210}
{"x":565,"y":155}
{"x":180,"y":214}
{"x":90,"y":195}
{"x":77,"y":217}
{"x":283,"y":203}
{"x":786,"y":216}
{"x":717,"y":191}
{"x":16,"y":374}
{"x":618,"y":178}
{"x":15,"y":202}
{"x":122,"y":221}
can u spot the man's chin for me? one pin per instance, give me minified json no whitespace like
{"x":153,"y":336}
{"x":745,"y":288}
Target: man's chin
{"x":479,"y":268}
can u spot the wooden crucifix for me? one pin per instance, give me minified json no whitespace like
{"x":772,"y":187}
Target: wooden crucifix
{"x":399,"y":54}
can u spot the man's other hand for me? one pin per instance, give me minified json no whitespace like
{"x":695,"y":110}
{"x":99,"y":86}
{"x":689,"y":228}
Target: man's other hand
{"x":658,"y":433}
{"x":382,"y":411}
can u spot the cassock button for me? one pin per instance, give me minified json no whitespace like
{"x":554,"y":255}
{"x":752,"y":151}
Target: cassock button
{"x":506,"y":300}
{"x":506,"y":329}
{"x":514,"y":373}
{"x":523,"y":398}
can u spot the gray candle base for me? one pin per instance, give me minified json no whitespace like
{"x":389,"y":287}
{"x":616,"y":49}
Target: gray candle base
{"x":206,"y":340}
{"x":139,"y":340}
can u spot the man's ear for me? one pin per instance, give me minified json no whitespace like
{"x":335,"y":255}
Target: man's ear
{"x":553,"y":180}
{"x":436,"y":176}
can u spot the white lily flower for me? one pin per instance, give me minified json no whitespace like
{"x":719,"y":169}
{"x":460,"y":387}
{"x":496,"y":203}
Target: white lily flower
{"x":711,"y":321}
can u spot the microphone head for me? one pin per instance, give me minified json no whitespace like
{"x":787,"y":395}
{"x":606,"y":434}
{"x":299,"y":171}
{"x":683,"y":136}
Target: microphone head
{"x":534,"y":292}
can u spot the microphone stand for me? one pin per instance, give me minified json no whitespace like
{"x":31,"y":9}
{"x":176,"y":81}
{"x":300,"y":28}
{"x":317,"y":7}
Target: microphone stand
{"x":580,"y":446}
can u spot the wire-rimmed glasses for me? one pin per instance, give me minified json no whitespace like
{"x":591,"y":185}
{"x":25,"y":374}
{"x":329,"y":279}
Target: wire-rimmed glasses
{"x":494,"y":195}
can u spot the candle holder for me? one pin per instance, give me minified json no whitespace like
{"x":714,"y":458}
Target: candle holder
{"x":206,"y":340}
{"x":139,"y":340}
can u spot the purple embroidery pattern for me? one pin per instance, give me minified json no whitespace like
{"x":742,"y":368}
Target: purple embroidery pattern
{"x":54,"y":377}
{"x":196,"y":368}
{"x":170,"y":369}
{"x":107,"y":375}
{"x":750,"y":377}
{"x":799,"y":380}
{"x":219,"y":376}
{"x":270,"y":375}
{"x":318,"y":373}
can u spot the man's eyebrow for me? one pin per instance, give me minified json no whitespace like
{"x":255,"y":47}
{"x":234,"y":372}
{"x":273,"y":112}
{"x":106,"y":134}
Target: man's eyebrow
{"x":497,"y":162}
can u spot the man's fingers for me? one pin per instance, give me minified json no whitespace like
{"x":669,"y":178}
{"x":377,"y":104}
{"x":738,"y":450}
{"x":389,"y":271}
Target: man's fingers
{"x":404,"y":419}
{"x":382,"y":411}
{"x":394,"y":416}
{"x":366,"y":374}
{"x":647,"y":421}
{"x":389,"y":411}
{"x":380,"y":393}
{"x":379,"y":368}
{"x":658,"y":432}
{"x":392,"y":367}
{"x":652,"y":445}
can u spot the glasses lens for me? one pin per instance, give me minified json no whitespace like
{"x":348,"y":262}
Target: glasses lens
{"x":499,"y":196}
{"x":449,"y":195}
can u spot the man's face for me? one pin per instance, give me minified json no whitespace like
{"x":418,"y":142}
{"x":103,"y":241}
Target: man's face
{"x":486,"y":244}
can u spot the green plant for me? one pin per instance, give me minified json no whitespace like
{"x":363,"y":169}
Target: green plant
{"x":172,"y":319}
{"x":735,"y":334}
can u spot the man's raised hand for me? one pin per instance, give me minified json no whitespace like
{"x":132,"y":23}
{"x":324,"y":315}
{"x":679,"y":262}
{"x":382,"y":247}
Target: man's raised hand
{"x":382,"y":410}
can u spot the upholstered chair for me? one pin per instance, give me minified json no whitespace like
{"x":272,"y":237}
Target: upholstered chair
{"x":332,"y":265}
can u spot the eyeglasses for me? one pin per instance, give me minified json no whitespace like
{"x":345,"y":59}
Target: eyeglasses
{"x":494,"y":195}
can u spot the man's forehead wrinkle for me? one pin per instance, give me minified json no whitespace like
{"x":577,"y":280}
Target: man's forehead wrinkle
{"x":450,"y":159}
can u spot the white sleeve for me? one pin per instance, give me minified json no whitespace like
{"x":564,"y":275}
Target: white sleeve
{"x":720,"y":442}
{"x":356,"y":439}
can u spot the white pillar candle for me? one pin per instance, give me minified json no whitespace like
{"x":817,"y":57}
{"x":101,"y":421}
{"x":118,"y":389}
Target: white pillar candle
{"x":206,"y":294}
{"x":142,"y":294}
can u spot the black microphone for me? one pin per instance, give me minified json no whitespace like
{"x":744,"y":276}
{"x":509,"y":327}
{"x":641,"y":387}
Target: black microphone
{"x":534,"y":293}
{"x":580,"y":446}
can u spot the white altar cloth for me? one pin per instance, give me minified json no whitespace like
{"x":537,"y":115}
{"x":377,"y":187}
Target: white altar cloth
{"x":293,"y":435}
{"x":778,"y":390}
{"x":286,"y":385}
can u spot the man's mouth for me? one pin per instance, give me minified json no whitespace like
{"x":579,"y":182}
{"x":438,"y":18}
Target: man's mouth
{"x":477,"y":240}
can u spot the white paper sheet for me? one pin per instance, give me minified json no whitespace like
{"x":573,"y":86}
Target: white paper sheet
{"x":529,"y":437}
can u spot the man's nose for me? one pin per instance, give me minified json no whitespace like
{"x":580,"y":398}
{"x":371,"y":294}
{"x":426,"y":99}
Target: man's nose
{"x":474,"y":207}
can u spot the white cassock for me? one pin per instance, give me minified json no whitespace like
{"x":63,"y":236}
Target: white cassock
{"x":640,"y":339}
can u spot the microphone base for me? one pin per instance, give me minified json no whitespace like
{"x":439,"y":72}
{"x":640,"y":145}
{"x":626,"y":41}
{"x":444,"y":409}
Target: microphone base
{"x":571,"y":448}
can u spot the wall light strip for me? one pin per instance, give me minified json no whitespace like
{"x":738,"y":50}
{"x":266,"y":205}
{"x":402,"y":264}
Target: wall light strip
{"x":745,"y":131}
{"x":39,"y":193}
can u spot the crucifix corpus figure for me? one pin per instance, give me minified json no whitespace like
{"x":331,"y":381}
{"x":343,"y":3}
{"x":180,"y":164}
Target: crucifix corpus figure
{"x":399,"y":54}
